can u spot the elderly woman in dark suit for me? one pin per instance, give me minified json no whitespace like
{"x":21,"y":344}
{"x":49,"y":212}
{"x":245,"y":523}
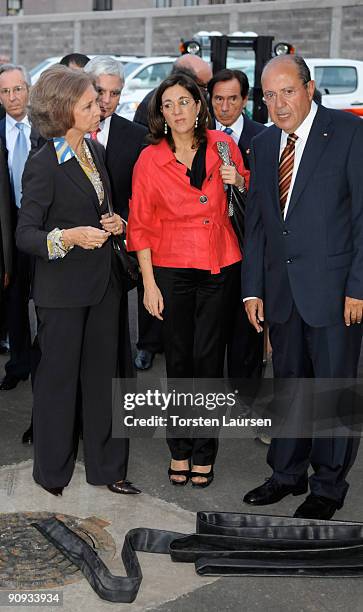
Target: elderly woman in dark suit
{"x":64,"y":223}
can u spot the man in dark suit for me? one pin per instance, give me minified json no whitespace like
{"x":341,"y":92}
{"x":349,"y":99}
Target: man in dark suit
{"x":303,"y":269}
{"x":123,"y":141}
{"x":17,"y":138}
{"x":6,"y":229}
{"x":228,"y":91}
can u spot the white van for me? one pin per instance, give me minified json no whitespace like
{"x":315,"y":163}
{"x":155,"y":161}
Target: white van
{"x":340,"y":81}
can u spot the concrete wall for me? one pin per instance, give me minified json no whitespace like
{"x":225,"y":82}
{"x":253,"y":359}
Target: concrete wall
{"x":327,"y":29}
{"x":41,"y":7}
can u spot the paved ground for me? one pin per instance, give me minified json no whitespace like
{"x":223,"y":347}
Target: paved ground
{"x":169,"y":587}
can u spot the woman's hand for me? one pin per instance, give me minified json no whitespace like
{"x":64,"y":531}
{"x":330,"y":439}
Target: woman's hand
{"x":153,"y":300}
{"x":112,"y":223}
{"x":86,"y":237}
{"x":230,"y":176}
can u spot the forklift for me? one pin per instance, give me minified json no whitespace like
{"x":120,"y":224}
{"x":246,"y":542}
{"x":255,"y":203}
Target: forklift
{"x":248,"y":53}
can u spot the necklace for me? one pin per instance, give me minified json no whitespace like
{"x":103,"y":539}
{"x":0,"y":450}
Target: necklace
{"x":83,"y":153}
{"x":86,"y":160}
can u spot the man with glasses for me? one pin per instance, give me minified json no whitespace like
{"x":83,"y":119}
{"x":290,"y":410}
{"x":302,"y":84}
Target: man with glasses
{"x":122,"y":139}
{"x":228,"y":93}
{"x":17,"y":138}
{"x":303,"y":270}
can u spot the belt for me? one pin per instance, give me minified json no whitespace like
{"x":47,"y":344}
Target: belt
{"x":225,"y":543}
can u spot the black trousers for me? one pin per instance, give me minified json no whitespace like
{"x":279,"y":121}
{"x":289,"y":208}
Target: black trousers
{"x":150,"y":332}
{"x":17,"y":307}
{"x":301,"y":351}
{"x":244,"y":345}
{"x":79,"y":346}
{"x":195,"y":334}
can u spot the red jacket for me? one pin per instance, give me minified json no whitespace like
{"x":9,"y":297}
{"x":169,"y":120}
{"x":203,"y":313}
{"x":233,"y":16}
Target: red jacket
{"x":183,"y":226}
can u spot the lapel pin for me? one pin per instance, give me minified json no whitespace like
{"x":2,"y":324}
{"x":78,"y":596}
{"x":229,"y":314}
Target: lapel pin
{"x":248,"y":151}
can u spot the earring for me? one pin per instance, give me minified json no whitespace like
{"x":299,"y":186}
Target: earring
{"x":196,"y":122}
{"x":165,"y":128}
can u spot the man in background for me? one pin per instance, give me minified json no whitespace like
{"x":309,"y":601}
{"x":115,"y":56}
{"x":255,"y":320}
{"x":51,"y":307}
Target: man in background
{"x":76,"y":61}
{"x":17,"y":139}
{"x":123,"y":141}
{"x":228,"y":92}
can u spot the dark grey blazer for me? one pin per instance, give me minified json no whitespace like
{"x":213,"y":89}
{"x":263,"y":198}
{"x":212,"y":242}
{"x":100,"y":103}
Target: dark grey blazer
{"x":62,"y":196}
{"x":315,"y":257}
{"x":125,"y":141}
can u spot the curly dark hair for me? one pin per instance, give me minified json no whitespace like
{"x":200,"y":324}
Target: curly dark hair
{"x":157,"y":120}
{"x":53,"y":97}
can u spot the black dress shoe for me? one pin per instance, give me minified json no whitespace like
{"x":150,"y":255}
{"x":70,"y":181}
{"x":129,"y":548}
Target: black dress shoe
{"x":271,"y":492}
{"x":27,"y":437}
{"x":317,"y":507}
{"x":9,"y":382}
{"x":144,"y":360}
{"x":124,"y":487}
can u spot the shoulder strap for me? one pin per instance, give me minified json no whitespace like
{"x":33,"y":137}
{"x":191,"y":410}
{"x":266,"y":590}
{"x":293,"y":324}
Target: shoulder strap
{"x":101,"y":168}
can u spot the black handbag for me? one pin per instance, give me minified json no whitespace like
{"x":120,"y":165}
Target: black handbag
{"x":237,"y":211}
{"x":225,"y":543}
{"x":128,"y":264}
{"x":236,"y":199}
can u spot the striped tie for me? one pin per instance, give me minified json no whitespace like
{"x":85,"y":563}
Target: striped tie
{"x":286,"y":168}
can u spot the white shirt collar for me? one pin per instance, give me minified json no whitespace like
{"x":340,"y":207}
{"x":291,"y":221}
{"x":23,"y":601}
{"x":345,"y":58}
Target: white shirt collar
{"x":237,"y":126}
{"x":11,"y":121}
{"x":304,"y":128}
{"x":102,"y":135}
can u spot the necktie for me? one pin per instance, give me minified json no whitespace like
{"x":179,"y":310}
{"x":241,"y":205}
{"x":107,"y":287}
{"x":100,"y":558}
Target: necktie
{"x":93,"y":135}
{"x":228,"y":131}
{"x":20,"y":155}
{"x":286,"y":168}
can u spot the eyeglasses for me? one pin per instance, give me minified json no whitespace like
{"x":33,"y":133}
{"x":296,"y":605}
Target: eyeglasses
{"x":182,"y":103}
{"x":269,"y":97}
{"x":18,"y":89}
{"x":114,"y":93}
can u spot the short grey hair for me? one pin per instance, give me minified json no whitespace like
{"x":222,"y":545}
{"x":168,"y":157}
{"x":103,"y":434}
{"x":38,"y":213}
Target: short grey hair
{"x":11,"y":67}
{"x":104,"y":64}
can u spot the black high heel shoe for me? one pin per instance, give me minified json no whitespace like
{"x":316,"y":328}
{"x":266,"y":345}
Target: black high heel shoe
{"x":209,"y":476}
{"x":179,"y":483}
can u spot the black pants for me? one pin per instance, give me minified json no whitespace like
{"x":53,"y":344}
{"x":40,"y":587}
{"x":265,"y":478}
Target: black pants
{"x":195,"y":334}
{"x":78,"y":345}
{"x":301,"y":351}
{"x":150,"y":332}
{"x":17,"y":306}
{"x":245,"y":345}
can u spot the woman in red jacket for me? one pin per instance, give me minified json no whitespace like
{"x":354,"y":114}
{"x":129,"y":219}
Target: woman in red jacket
{"x":186,"y":247}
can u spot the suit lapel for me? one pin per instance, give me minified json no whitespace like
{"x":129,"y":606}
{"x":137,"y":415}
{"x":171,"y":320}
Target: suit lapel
{"x":246,"y":135}
{"x":113,"y":137}
{"x":274,"y":147}
{"x":320,"y":133}
{"x":3,"y":135}
{"x":75,"y":173}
